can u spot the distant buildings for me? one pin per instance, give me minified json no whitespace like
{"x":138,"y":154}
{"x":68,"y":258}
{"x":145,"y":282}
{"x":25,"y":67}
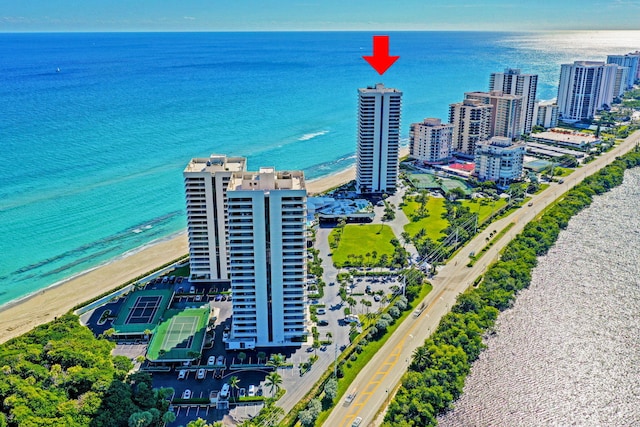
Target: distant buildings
{"x":499,"y":160}
{"x":584,"y":88}
{"x":471,"y":120}
{"x":430,"y":141}
{"x":267,"y":254}
{"x":620,"y":84}
{"x":630,"y":61}
{"x":205,"y":182}
{"x":506,"y":112}
{"x":378,"y":139}
{"x":546,"y":114}
{"x":513,"y":83}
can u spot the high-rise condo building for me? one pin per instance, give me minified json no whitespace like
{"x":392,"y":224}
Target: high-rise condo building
{"x":430,"y":141}
{"x":585,"y":87}
{"x":267,"y":253}
{"x":205,"y":182}
{"x":547,"y":114}
{"x":506,"y":112}
{"x":513,"y":83}
{"x":631,"y":61}
{"x":499,"y":160}
{"x":620,"y":84}
{"x":378,"y":139}
{"x":471,"y":120}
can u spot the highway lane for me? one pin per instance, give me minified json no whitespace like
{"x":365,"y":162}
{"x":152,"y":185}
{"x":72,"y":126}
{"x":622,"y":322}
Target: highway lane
{"x":378,"y":380}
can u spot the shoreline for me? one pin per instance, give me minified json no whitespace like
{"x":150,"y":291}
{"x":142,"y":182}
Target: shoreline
{"x":21,"y":315}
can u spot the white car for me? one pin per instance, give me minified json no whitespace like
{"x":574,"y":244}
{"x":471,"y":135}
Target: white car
{"x":321,"y":311}
{"x":182,"y":374}
{"x":356,"y":422}
{"x":224,"y":393}
{"x":220,"y":360}
{"x":201,"y":373}
{"x":211,"y":360}
{"x":186,"y":394}
{"x":252,"y":390}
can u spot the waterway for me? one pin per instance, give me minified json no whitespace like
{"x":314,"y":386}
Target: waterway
{"x":568,"y":351}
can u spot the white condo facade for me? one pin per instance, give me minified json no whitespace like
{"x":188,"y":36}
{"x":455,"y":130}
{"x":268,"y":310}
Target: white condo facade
{"x":585,"y":87}
{"x":379,"y":110}
{"x":631,"y":61}
{"x":546,"y":114}
{"x":206,"y":180}
{"x":430,"y":141}
{"x":620,"y":85}
{"x":267,"y":253}
{"x":506,"y":112}
{"x":499,"y":160}
{"x":513,"y":83}
{"x":471,"y":120}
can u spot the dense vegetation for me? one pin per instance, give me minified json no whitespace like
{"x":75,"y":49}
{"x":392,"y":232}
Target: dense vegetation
{"x":59,"y":374}
{"x":439,"y":368}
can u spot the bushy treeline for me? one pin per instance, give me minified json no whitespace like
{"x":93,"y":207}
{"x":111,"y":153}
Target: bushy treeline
{"x":438,"y":370}
{"x":59,"y":374}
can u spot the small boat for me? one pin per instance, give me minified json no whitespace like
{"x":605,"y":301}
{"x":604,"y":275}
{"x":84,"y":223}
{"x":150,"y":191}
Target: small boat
{"x":58,"y":70}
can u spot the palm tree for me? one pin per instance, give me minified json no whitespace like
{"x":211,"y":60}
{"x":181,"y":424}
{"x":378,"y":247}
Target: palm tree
{"x":328,"y":335}
{"x":261,"y":355}
{"x":242,"y":356}
{"x":233,"y":383}
{"x":276,"y":360}
{"x":273,"y":381}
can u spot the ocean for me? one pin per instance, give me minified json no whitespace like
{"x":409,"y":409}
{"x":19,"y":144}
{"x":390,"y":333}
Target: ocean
{"x":92,"y":154}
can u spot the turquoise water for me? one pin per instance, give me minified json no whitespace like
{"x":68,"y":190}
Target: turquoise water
{"x":91,"y":156}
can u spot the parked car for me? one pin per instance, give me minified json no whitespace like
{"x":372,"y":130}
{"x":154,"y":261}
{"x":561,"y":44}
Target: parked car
{"x":198,"y":297}
{"x":220,"y":360}
{"x":322,"y":323}
{"x":376,"y":298}
{"x":211,"y":360}
{"x":218,"y":298}
{"x":252,"y":390}
{"x":224,"y":393}
{"x":186,"y":394}
{"x":182,"y":374}
{"x":321,"y":311}
{"x":201,"y":373}
{"x":243,"y":392}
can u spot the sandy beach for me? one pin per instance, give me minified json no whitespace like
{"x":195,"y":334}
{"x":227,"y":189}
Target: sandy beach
{"x":22,"y":316}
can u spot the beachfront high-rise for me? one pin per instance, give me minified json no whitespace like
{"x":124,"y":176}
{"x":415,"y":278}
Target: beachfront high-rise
{"x":585,"y":87}
{"x":514,"y":83}
{"x":379,"y":110}
{"x":499,"y":160}
{"x":471,"y":120}
{"x":631,"y":61}
{"x":430,"y":141}
{"x":267,"y":253}
{"x":205,"y":181}
{"x":506,"y":112}
{"x":546,"y":114}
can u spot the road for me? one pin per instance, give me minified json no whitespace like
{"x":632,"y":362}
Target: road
{"x":378,"y":380}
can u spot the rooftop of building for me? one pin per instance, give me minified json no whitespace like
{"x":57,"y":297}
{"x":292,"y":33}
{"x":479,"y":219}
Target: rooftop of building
{"x":492,"y":94}
{"x":380,"y":88}
{"x":267,"y":178}
{"x":501,"y":141}
{"x":432,"y":122}
{"x":470,"y":102}
{"x":217,"y":163}
{"x":566,"y":136}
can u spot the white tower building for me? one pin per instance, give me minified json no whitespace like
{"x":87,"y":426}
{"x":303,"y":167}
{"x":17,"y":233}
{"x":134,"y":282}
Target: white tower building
{"x":631,"y":61}
{"x":430,"y":141}
{"x":584,"y":88}
{"x":513,"y":83}
{"x":267,"y":252}
{"x":378,"y":139}
{"x":205,"y":182}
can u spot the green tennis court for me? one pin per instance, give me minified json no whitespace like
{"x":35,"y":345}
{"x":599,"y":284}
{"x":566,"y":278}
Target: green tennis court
{"x":179,"y":335}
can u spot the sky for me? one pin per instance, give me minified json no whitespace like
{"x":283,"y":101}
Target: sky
{"x":287,"y":15}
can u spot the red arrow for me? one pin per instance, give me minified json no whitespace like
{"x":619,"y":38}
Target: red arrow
{"x":381,"y":61}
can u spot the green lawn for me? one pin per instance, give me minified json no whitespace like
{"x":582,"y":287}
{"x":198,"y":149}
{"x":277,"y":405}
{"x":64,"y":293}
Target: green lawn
{"x":561,"y":172}
{"x":363,"y":239}
{"x":486,"y":207}
{"x":434,"y":224}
